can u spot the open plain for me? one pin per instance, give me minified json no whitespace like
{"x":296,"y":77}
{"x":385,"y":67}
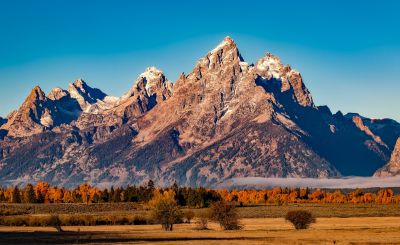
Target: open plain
{"x":354,"y":230}
{"x":336,"y":224}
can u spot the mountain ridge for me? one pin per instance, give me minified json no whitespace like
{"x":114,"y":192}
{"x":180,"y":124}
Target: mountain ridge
{"x":225,"y":119}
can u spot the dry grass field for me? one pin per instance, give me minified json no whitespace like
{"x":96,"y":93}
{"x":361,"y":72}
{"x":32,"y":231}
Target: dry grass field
{"x":356,"y":230}
{"x":262,"y":211}
{"x":336,"y":224}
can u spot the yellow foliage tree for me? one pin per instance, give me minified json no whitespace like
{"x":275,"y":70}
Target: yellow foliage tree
{"x":165,"y":209}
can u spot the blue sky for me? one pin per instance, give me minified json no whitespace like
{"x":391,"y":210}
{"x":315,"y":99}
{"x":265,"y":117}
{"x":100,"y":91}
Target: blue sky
{"x":348,"y":53}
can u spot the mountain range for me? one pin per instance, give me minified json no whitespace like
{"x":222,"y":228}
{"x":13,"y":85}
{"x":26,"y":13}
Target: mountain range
{"x":225,"y":119}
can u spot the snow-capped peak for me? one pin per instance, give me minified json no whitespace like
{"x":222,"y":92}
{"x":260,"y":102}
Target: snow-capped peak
{"x":226,"y":42}
{"x":270,"y":65}
{"x":57,"y":93}
{"x":151,"y":73}
{"x":153,"y":77}
{"x":85,"y":95}
{"x":79,"y":83}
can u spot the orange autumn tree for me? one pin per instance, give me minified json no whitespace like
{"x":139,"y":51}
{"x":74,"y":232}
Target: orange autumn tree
{"x":41,"y":191}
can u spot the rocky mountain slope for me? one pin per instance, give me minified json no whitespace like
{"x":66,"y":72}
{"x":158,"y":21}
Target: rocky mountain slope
{"x":392,"y":168}
{"x":225,"y":119}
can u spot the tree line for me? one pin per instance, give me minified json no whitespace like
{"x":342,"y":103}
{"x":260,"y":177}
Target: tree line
{"x":42,"y":192}
{"x":280,"y":196}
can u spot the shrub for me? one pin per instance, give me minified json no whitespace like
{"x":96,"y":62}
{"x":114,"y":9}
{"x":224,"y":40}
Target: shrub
{"x":52,"y":220}
{"x":36,"y":220}
{"x":300,"y":219}
{"x":14,"y":221}
{"x":79,"y":220}
{"x":226,"y":215}
{"x":202,"y":221}
{"x":11,"y":211}
{"x":165,"y":210}
{"x":122,"y":221}
{"x":189,"y":215}
{"x":55,"y":221}
{"x":139,"y":220}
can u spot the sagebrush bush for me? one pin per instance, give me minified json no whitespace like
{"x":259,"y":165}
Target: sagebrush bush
{"x":140,"y":220}
{"x":13,"y":221}
{"x":55,"y":221}
{"x":226,"y":215}
{"x":202,"y":221}
{"x":188,"y":215}
{"x":76,"y":220}
{"x":73,"y":220}
{"x":300,"y":219}
{"x":11,"y":211}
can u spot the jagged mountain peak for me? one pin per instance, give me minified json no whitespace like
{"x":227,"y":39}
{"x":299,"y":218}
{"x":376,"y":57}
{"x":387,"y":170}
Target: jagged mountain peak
{"x":270,"y":66}
{"x":150,"y":88}
{"x":227,"y":43}
{"x":27,"y":120}
{"x":152,"y":80}
{"x":284,"y":78}
{"x":36,"y":94}
{"x":84,"y":94}
{"x":79,"y":83}
{"x":225,"y":51}
{"x":222,"y":58}
{"x":151,"y":73}
{"x":149,"y":82}
{"x":57,"y":93}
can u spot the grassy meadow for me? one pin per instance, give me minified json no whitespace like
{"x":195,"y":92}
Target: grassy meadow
{"x":264,"y":224}
{"x":353,"y":230}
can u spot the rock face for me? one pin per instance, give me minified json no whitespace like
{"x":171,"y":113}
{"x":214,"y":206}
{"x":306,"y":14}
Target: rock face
{"x":360,"y":124}
{"x":90,"y":100}
{"x":32,"y":117}
{"x":149,"y":89}
{"x":392,"y":168}
{"x":387,"y":129}
{"x":225,"y":119}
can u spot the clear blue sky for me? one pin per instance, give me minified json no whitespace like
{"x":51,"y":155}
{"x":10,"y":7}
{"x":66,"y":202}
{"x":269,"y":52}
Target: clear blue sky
{"x":348,"y":53}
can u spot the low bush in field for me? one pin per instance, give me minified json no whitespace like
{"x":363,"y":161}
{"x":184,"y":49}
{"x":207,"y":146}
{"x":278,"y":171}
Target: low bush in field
{"x":73,"y":220}
{"x":12,"y":211}
{"x":14,"y":221}
{"x":140,"y":220}
{"x":45,"y":220}
{"x":202,"y":221}
{"x":300,"y":219}
{"x":67,"y":208}
{"x":188,"y":215}
{"x":78,"y":220}
{"x":226,"y":215}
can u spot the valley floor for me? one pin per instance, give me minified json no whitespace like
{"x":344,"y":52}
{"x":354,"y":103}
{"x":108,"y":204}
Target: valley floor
{"x":351,"y":230}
